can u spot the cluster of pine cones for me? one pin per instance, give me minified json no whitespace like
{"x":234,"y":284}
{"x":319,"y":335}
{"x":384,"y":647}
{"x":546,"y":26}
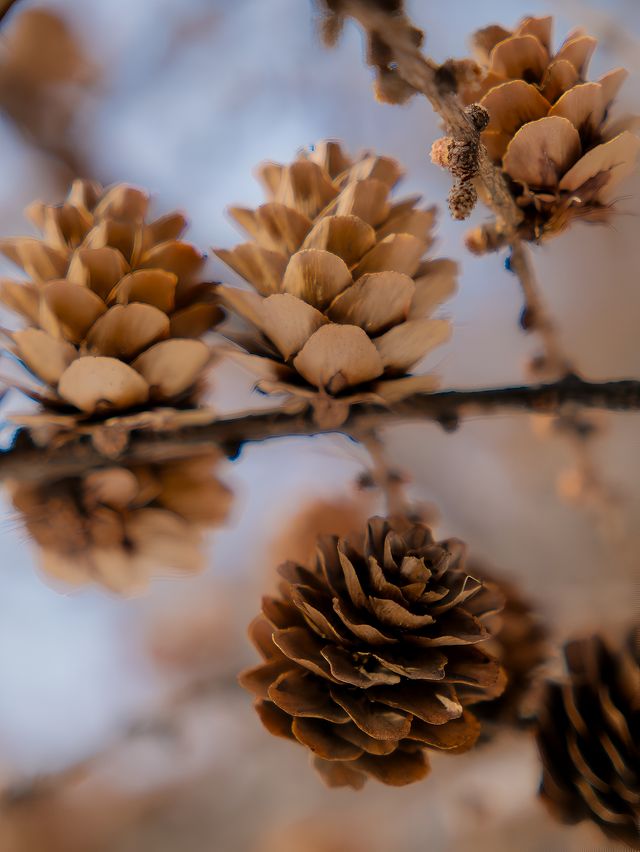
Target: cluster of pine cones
{"x":390,"y":644}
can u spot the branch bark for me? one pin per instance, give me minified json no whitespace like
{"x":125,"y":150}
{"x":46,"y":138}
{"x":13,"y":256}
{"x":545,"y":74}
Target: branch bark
{"x":447,"y":408}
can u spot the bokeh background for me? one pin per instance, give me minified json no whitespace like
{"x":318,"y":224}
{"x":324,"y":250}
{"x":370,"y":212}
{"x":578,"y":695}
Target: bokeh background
{"x":185,"y":97}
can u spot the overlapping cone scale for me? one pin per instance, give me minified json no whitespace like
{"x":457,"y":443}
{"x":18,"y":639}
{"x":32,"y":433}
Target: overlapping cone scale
{"x":341,"y":296}
{"x":589,"y":738}
{"x":114,"y":305}
{"x":551,"y":128}
{"x":118,"y":525}
{"x":374,"y":654}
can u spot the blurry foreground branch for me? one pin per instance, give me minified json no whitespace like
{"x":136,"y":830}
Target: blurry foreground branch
{"x":5,"y":7}
{"x":447,"y":408}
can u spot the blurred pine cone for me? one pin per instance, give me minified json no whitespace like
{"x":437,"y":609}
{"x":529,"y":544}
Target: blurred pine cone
{"x":114,"y":305}
{"x":520,"y":642}
{"x":118,"y":526}
{"x":589,"y":739}
{"x":344,"y":298}
{"x":550,"y":129}
{"x":371,"y":656}
{"x":46,"y":76}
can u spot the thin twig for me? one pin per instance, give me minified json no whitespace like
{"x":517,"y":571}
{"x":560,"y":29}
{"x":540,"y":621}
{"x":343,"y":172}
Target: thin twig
{"x":536,"y":317}
{"x":446,"y":408}
{"x":389,"y":480}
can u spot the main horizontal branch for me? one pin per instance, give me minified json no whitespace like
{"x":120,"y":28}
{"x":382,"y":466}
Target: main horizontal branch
{"x":230,"y":434}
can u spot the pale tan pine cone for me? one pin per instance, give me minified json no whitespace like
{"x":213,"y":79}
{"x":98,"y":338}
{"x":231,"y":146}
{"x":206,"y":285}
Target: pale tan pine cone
{"x":342,"y":297}
{"x":550,"y":129}
{"x":115,"y":306}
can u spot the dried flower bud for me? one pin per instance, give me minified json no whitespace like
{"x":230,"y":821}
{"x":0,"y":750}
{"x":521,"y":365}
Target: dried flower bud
{"x":485,"y":238}
{"x":440,"y":151}
{"x":478,"y":116}
{"x":462,"y":199}
{"x":463,"y":158}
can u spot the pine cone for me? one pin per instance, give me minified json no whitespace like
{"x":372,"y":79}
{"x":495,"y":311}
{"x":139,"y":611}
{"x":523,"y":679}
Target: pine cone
{"x":372,"y":656}
{"x":550,"y":129}
{"x":589,"y":739}
{"x":45,"y":77}
{"x":520,"y":643}
{"x":114,"y":305}
{"x":120,"y":525}
{"x":343,"y":295}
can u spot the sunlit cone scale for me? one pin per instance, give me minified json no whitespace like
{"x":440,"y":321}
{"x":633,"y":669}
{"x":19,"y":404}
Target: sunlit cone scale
{"x":373,"y":655}
{"x":341,"y":294}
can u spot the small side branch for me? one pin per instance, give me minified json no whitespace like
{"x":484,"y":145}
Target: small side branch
{"x":553,"y":362}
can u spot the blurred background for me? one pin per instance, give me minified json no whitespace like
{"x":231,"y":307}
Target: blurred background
{"x":126,"y":708}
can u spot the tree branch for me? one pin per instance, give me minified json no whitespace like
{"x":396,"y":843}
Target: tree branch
{"x":446,"y":408}
{"x":424,"y":75}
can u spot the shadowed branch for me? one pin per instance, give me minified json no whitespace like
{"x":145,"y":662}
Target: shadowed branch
{"x":447,"y":408}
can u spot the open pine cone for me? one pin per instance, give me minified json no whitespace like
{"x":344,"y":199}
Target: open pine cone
{"x":589,"y":739}
{"x":372,"y":656}
{"x":114,"y":306}
{"x":120,"y":525}
{"x":344,"y":298}
{"x":550,"y":129}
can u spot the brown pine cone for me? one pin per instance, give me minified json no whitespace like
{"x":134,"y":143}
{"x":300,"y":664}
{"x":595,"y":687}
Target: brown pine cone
{"x":550,"y":129}
{"x":114,"y":304}
{"x":120,"y":525}
{"x":344,"y":298}
{"x":372,"y":656}
{"x":589,"y":739}
{"x":520,"y":643}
